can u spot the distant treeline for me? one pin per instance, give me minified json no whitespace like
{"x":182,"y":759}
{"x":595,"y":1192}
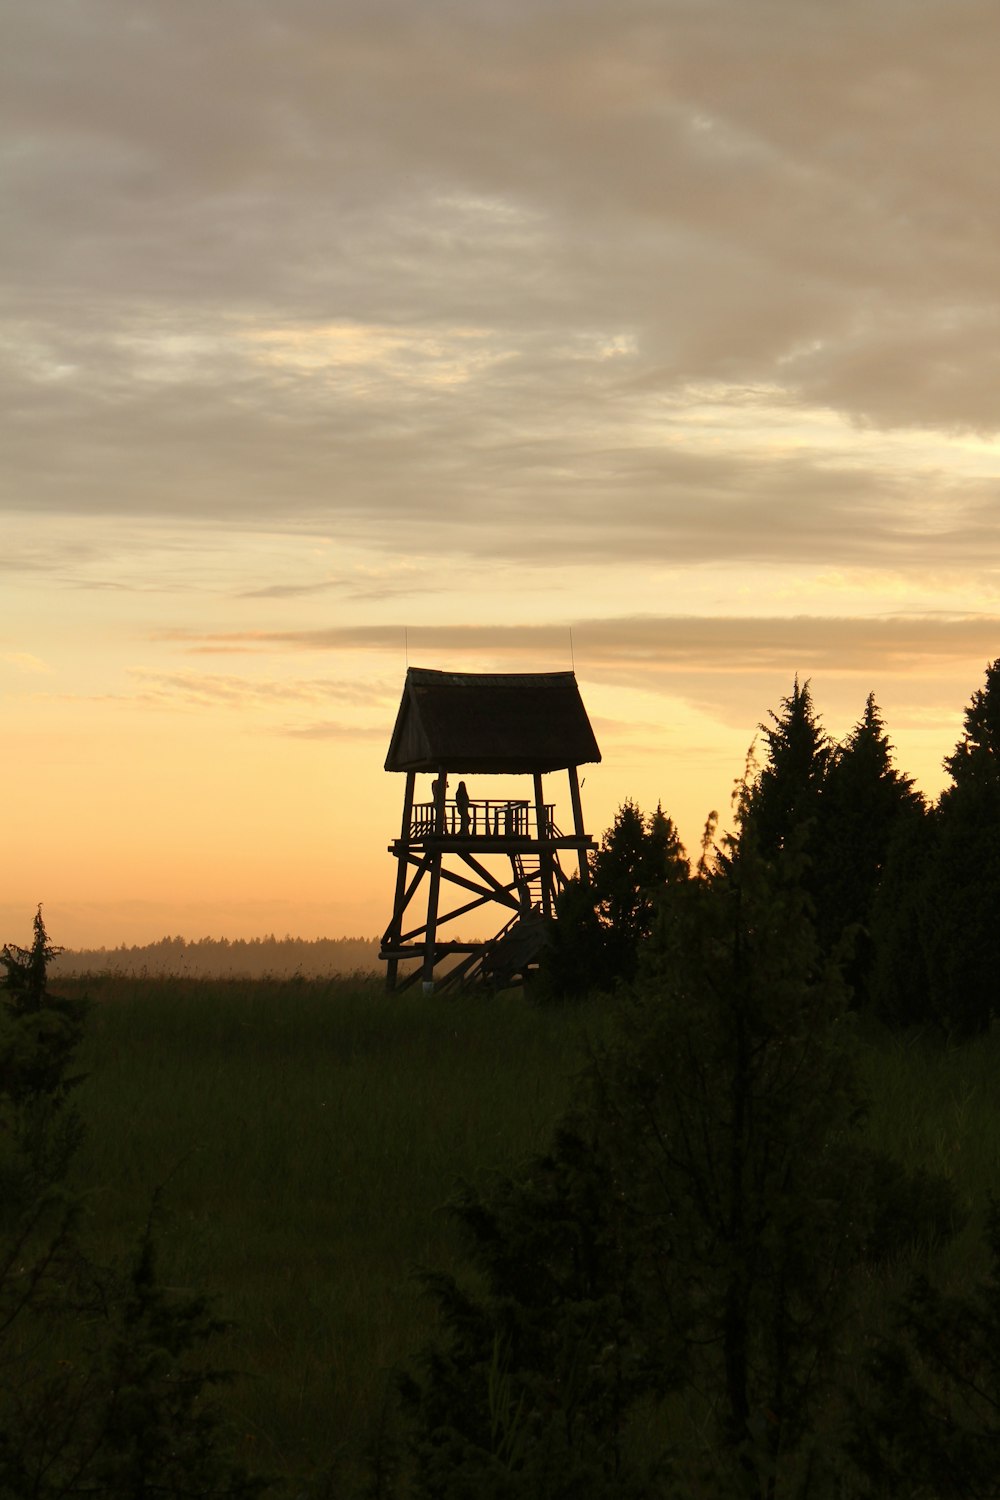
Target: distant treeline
{"x":216,"y":958}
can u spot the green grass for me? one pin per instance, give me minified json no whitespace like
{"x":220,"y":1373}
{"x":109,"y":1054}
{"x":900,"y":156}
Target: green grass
{"x":938,"y":1107}
{"x":306,"y":1135}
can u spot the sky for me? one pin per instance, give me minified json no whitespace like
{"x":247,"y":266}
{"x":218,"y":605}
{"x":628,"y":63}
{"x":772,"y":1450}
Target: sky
{"x":656,"y":340}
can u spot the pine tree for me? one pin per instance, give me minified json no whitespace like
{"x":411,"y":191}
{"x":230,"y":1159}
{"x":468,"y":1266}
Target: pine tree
{"x":964,"y":944}
{"x":784,"y":796}
{"x":778,"y":801}
{"x":864,"y":798}
{"x":638,"y":859}
{"x":976,"y":758}
{"x":600,"y":928}
{"x":39,"y":1128}
{"x":904,"y":915}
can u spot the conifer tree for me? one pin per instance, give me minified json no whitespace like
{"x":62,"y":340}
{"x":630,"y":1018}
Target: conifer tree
{"x":601,"y":928}
{"x":976,"y":758}
{"x":784,"y":796}
{"x":39,"y":1129}
{"x":904,"y":915}
{"x":864,"y":798}
{"x":638,"y":858}
{"x":964,"y":944}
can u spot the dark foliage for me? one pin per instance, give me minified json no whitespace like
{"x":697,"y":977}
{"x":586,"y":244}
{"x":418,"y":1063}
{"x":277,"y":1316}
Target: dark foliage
{"x":108,"y":1396}
{"x":45,"y":1030}
{"x":962,"y":939}
{"x":577,"y":960}
{"x":782,"y":801}
{"x":696,"y":1225}
{"x":864,"y":803}
{"x":528,"y":1393}
{"x":931,"y":1425}
{"x":904,"y":914}
{"x":600,"y":928}
{"x":975,"y":761}
{"x":39,"y":1035}
{"x":102,"y":1384}
{"x":860,"y":833}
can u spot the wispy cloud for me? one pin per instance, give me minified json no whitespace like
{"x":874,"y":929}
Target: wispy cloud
{"x":25,"y":661}
{"x":196,"y":690}
{"x":329,"y":729}
{"x":371,"y":590}
{"x":654,"y":644}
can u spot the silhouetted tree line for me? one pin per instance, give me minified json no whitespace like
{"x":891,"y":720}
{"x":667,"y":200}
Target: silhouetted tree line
{"x":223,"y":958}
{"x":903,"y":894}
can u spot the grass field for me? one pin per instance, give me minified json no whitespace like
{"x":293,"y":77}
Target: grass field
{"x":306,"y":1134}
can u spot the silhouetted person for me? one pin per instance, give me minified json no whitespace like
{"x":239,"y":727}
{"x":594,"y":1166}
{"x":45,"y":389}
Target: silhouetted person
{"x":462,"y":803}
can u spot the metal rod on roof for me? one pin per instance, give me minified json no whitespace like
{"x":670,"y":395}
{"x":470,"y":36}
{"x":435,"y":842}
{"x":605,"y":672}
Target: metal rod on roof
{"x":572,"y":658}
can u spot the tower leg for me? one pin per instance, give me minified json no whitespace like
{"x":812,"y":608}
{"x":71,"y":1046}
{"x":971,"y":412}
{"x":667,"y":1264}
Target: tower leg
{"x":578,"y":829}
{"x":396,"y":926}
{"x":430,"y":937}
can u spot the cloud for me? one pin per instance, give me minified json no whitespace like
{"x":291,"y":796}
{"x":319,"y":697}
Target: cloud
{"x":542,"y":491}
{"x":330,"y":729}
{"x":359,"y":588}
{"x":647,"y":648}
{"x":508,"y":279}
{"x":25,"y":661}
{"x":197,"y":690}
{"x":194,"y":691}
{"x":294,"y":590}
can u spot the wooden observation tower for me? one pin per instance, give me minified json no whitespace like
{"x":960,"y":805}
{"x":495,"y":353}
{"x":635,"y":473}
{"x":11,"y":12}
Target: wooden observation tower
{"x":499,"y":851}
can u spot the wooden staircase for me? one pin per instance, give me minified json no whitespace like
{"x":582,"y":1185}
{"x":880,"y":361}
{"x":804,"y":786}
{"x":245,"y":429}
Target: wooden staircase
{"x":506,"y":959}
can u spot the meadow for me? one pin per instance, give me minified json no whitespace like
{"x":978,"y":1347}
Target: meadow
{"x":303,"y":1137}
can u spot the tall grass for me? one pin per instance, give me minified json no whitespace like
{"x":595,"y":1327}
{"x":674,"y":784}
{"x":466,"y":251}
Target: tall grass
{"x":306,"y":1135}
{"x":937,"y":1106}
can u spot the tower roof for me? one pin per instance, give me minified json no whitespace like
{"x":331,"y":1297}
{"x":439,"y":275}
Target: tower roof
{"x":492,"y":722}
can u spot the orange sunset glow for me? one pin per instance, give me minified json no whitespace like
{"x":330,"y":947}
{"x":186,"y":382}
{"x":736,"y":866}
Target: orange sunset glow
{"x":656,"y":341}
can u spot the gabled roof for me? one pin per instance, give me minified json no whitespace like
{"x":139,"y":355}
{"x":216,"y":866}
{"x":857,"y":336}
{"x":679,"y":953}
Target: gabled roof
{"x":492,"y":722}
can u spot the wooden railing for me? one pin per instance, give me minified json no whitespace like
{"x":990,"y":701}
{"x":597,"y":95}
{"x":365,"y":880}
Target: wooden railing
{"x":485,"y":817}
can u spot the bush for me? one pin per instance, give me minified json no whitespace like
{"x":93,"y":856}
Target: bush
{"x":696,"y":1226}
{"x":102,"y":1380}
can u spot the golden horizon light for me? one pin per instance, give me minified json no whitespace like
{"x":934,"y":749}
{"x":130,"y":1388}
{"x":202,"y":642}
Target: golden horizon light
{"x":660,"y":343}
